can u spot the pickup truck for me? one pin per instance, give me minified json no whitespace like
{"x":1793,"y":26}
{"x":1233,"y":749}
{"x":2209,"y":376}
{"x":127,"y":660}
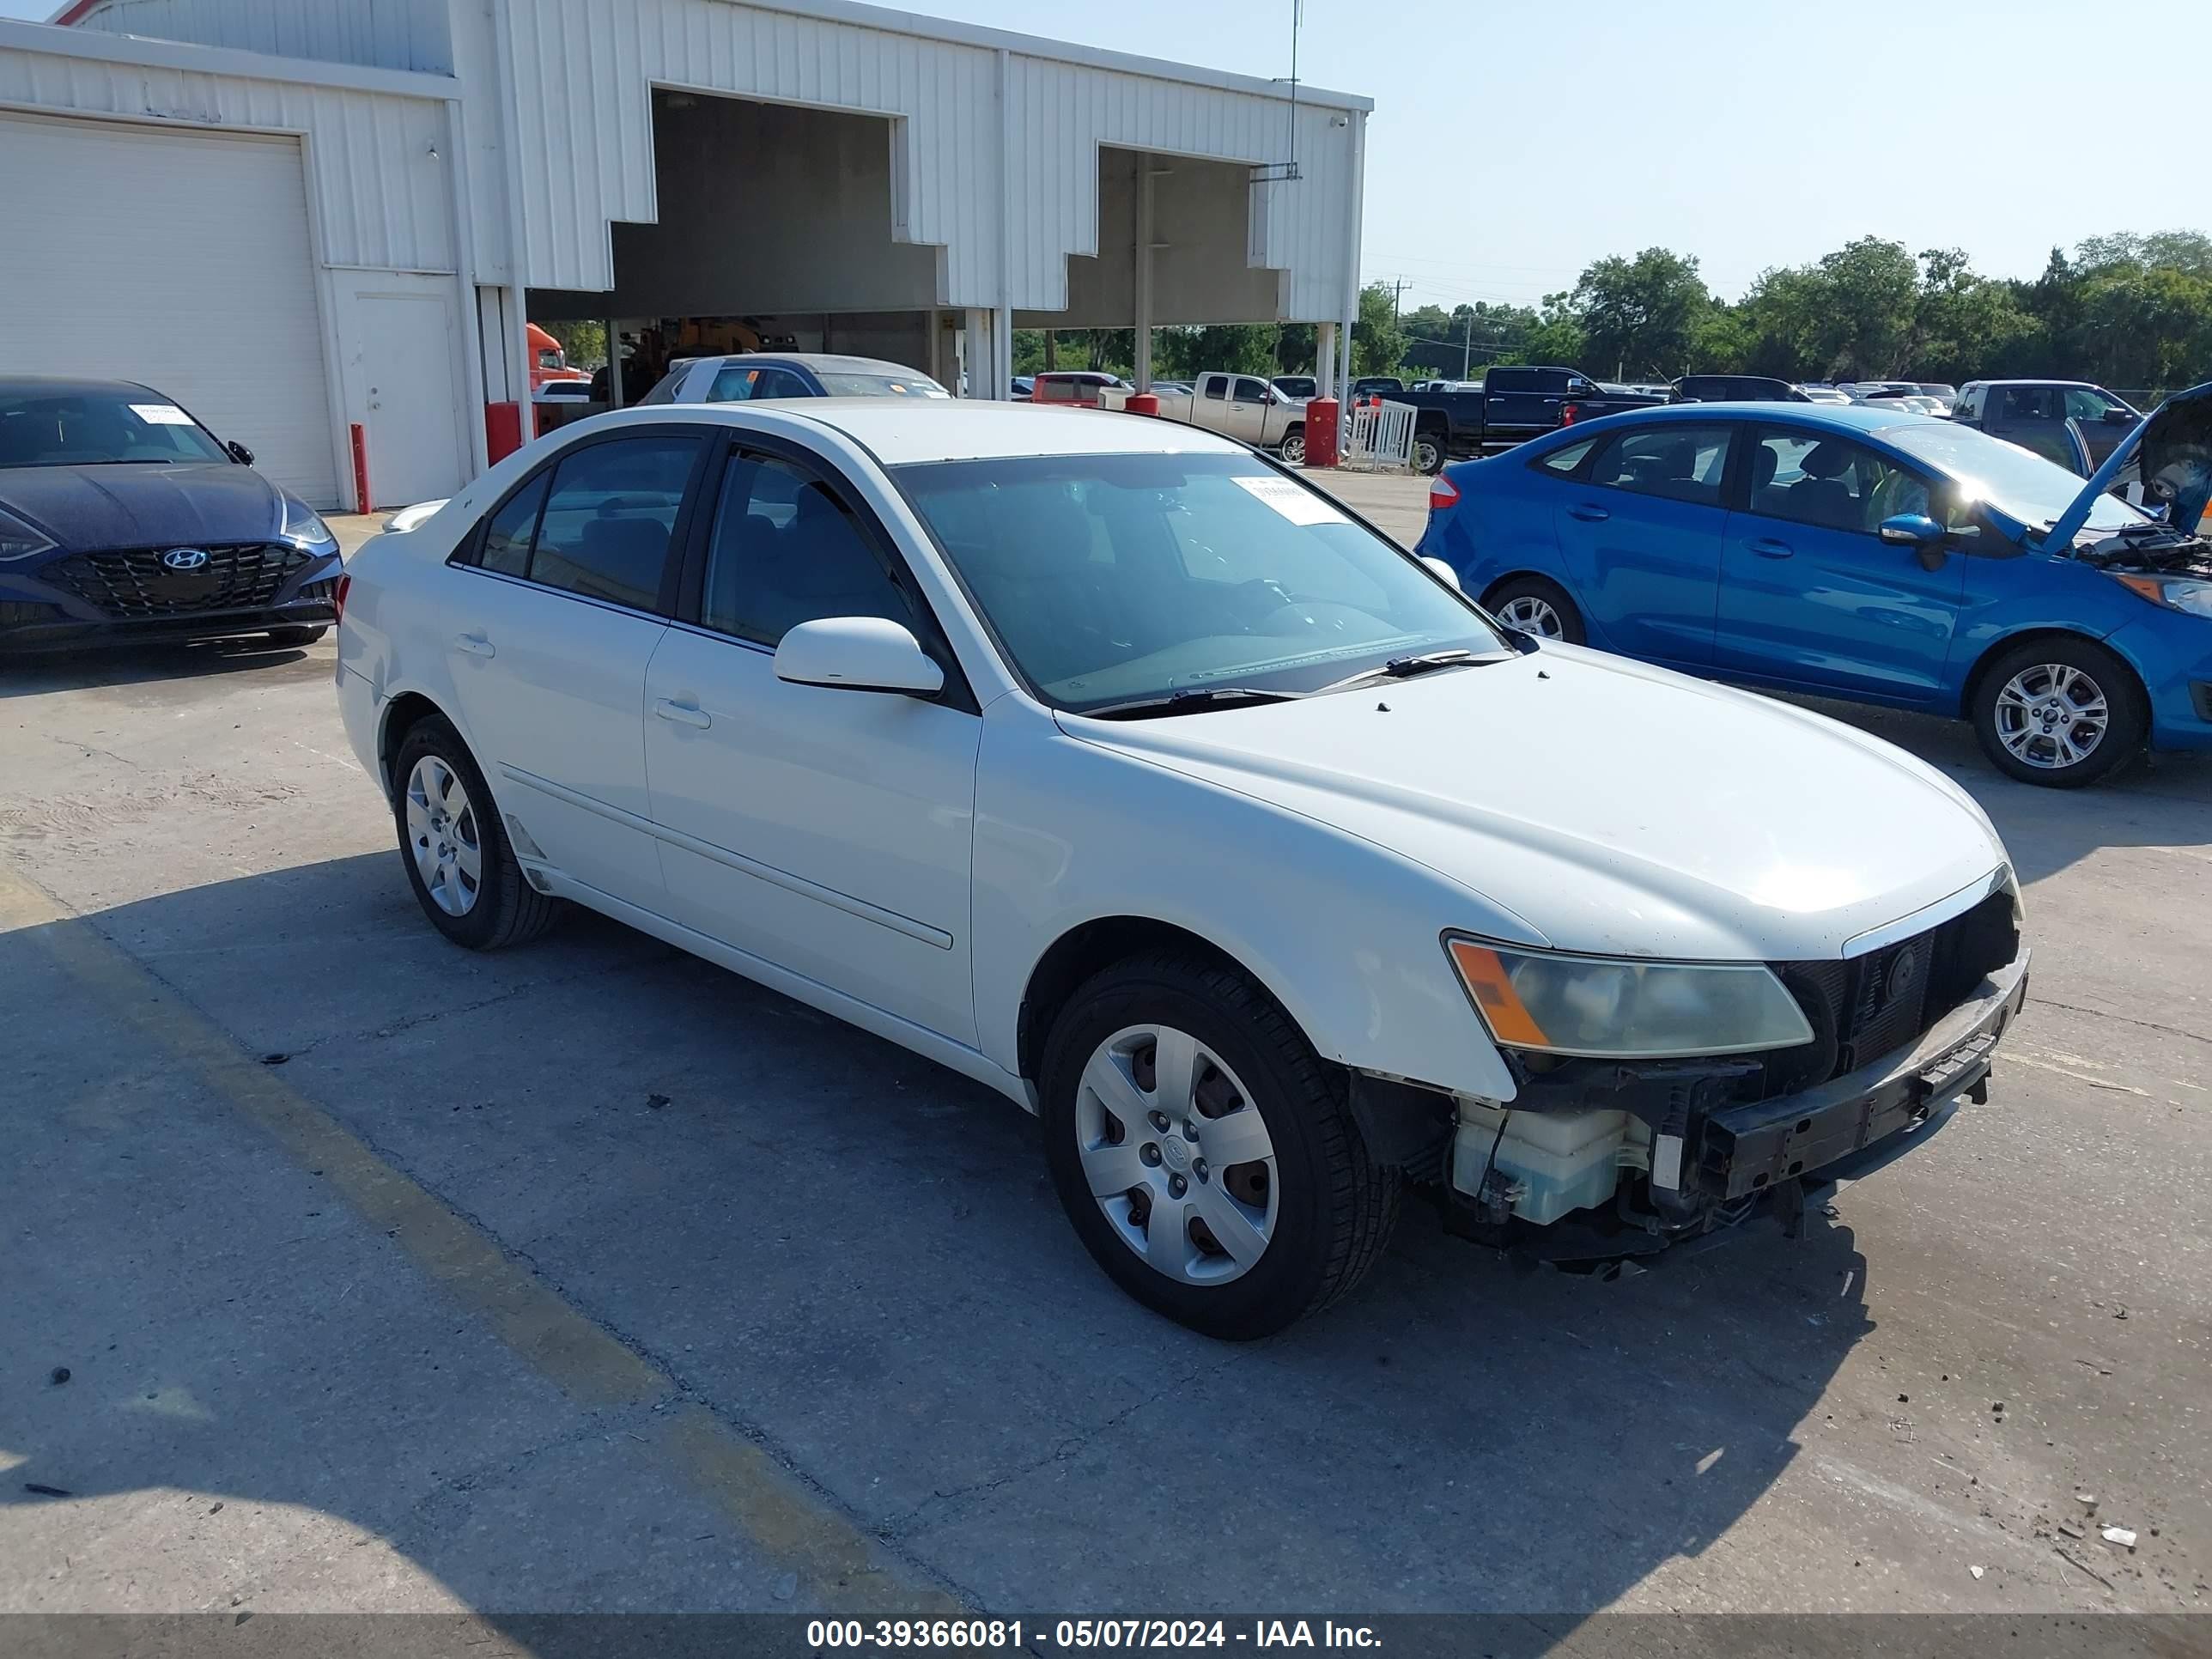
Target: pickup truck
{"x":1242,"y":406}
{"x":1515,"y":403}
{"x":2037,"y":414}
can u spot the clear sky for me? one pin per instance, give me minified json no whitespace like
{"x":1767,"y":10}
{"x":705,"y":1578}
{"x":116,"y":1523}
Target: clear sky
{"x":1514,"y":141}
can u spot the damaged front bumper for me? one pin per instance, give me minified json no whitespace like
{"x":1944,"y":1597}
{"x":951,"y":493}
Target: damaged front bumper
{"x":1657,"y":1154}
{"x":1746,"y":1149}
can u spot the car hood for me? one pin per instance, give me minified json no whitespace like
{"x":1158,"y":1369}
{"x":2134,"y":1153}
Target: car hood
{"x":1612,"y":807}
{"x":86,"y":507}
{"x":2174,"y":444}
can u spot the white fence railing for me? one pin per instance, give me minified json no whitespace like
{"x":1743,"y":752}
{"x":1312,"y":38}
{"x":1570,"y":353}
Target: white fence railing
{"x":1378,"y":437}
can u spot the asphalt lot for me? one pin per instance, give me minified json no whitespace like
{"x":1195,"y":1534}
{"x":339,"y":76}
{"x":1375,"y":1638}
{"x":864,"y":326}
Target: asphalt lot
{"x":589,"y":1277}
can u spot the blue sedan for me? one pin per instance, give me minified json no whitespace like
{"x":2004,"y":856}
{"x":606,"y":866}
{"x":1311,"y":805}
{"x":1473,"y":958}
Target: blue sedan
{"x":1866,"y":554}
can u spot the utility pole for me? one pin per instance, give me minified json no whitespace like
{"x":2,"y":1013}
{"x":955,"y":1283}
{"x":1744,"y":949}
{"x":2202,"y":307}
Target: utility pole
{"x":1466,"y":347}
{"x":1397,"y":286}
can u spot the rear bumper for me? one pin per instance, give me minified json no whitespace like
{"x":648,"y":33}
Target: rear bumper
{"x":1745,"y":1150}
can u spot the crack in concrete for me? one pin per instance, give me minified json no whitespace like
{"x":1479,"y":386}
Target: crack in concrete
{"x":1064,"y":1451}
{"x":2106,"y":1013}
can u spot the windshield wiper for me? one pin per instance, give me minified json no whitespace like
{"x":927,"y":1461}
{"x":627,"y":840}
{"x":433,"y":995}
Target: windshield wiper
{"x":1190,"y":700}
{"x":1405,"y":668}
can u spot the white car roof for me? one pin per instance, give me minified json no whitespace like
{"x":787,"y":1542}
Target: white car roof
{"x":903,"y":430}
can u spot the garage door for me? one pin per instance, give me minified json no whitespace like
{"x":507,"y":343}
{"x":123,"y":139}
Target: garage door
{"x":178,"y":258}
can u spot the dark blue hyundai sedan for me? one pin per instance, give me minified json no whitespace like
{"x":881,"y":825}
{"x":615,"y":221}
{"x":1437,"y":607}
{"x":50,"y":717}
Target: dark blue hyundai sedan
{"x":123,"y":519}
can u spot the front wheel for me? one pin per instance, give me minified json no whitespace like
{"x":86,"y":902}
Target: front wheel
{"x":2059,"y":712}
{"x":1206,"y":1158}
{"x":1294,"y":446}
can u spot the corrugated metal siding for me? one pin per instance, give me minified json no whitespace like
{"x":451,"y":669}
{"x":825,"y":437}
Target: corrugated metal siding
{"x":380,"y":198}
{"x":584,"y":71}
{"x":402,"y":35}
{"x":1065,"y":111}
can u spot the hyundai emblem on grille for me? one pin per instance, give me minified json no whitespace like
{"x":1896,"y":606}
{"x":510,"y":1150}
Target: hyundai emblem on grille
{"x":185,"y":558}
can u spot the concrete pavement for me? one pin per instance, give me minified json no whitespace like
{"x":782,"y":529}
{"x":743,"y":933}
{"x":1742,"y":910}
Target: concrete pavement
{"x":589,"y":1277}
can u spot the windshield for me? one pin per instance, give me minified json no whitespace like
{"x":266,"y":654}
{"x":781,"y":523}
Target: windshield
{"x":1108,"y":578}
{"x":2016,"y":482}
{"x":82,"y":427}
{"x":836,"y":384}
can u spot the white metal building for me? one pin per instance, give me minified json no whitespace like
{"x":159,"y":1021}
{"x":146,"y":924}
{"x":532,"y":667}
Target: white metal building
{"x":302,"y":217}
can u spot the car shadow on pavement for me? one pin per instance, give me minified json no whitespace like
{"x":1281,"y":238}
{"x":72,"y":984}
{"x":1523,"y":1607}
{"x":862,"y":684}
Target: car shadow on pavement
{"x":850,"y":1256}
{"x":37,"y":674}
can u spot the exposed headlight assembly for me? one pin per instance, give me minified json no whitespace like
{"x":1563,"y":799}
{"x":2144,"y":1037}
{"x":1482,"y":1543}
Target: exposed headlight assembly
{"x":2191,"y":594}
{"x":1626,"y":1008}
{"x":20,"y":540}
{"x":304,"y":528}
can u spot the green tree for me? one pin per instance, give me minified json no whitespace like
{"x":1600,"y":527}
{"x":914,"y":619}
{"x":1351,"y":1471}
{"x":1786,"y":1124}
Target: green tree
{"x":1641,"y":316}
{"x":1379,"y":339}
{"x":584,"y":345}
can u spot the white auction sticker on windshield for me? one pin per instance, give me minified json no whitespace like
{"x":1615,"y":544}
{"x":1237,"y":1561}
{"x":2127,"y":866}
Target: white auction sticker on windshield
{"x":162,"y":415}
{"x":1295,"y":502}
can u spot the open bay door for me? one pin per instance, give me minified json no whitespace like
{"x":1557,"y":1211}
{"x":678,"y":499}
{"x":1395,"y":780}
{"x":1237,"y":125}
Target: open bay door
{"x":178,"y":258}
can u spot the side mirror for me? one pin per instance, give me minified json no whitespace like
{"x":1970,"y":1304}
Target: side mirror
{"x":857,"y":654}
{"x":239,"y":452}
{"x":1912,"y":530}
{"x":1443,"y":572}
{"x":2119,"y":417}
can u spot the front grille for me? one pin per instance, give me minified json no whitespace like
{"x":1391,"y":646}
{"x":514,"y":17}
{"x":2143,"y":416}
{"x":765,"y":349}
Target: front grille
{"x":134,"y":583}
{"x":1872,"y":1005}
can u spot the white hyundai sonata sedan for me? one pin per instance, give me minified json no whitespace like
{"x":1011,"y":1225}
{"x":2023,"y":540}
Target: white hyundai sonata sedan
{"x":1105,"y":761}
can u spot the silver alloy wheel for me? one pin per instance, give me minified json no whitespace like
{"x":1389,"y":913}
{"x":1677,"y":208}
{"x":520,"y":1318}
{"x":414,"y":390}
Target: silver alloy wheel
{"x":1531,"y":616}
{"x":1294,"y":450}
{"x":1177,"y":1154}
{"x":441,"y":834}
{"x":2052,"y":716}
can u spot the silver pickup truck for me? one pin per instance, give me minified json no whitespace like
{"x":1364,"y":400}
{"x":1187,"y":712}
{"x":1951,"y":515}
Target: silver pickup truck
{"x":1244,"y":407}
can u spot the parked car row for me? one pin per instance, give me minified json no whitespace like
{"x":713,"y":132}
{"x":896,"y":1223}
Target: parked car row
{"x":1854,"y":553}
{"x":1109,"y":763}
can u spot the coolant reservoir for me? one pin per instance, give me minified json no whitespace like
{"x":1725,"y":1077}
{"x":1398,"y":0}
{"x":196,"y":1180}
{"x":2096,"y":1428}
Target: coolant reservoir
{"x":1555,"y":1162}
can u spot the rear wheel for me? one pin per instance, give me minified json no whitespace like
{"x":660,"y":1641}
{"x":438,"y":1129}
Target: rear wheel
{"x":1535,"y":604}
{"x":1205,"y":1157}
{"x":1294,"y":446}
{"x":303,"y":635}
{"x":2059,"y":712}
{"x":463,"y":872}
{"x":1429,"y":452}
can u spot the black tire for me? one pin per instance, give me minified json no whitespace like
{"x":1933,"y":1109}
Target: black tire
{"x":508,"y":910}
{"x":1335,"y":1206}
{"x":1294,"y":438}
{"x":1995,"y":717}
{"x":1432,"y":449}
{"x":1541,"y":591}
{"x":301,"y":636}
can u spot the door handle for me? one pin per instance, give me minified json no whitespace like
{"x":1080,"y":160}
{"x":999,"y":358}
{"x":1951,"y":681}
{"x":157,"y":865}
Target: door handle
{"x":683,"y":714}
{"x":1589,"y":513}
{"x":475,"y":644}
{"x":1767,"y":547}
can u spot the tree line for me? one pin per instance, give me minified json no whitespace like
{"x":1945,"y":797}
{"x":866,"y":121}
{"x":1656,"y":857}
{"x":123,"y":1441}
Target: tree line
{"x":2125,"y":310}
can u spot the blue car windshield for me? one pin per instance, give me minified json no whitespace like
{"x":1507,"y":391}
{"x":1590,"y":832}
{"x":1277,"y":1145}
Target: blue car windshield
{"x":2019,"y":483}
{"x":80,"y":427}
{"x":1108,"y":578}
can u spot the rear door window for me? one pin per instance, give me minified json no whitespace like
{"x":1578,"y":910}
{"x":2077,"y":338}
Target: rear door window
{"x":609,"y":516}
{"x":1677,"y":461}
{"x":1214,"y":387}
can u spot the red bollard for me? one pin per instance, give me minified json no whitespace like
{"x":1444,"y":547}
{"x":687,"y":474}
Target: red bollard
{"x":502,"y":430}
{"x":1141,"y":403}
{"x":1321,"y":432}
{"x":361,"y":469}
